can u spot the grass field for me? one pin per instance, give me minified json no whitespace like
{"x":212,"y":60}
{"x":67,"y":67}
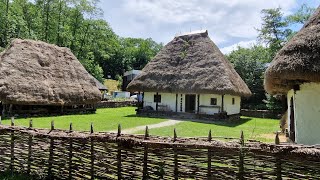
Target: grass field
{"x":253,"y":128}
{"x":108,"y":119}
{"x":104,"y":120}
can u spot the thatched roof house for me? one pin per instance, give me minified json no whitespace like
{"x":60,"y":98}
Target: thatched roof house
{"x":295,"y":71}
{"x":191,"y":64}
{"x":37,"y":73}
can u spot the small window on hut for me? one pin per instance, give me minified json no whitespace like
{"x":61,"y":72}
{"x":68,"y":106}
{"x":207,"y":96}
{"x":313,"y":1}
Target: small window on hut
{"x":157,"y":98}
{"x":213,"y":101}
{"x":232,"y":101}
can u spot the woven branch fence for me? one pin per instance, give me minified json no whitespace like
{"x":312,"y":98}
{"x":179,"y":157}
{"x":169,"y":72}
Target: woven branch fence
{"x":60,"y":154}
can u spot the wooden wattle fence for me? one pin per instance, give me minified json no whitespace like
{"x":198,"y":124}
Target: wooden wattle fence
{"x":61,"y":154}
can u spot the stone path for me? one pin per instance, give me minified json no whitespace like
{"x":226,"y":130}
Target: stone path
{"x":169,"y":122}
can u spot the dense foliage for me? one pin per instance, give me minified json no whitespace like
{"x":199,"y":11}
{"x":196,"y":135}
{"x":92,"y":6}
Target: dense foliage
{"x":76,"y":24}
{"x":250,"y":63}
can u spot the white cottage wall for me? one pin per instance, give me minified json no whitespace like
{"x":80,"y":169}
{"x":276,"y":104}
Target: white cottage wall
{"x":168,"y":102}
{"x":206,"y":107}
{"x":232,"y":108}
{"x":307,"y":113}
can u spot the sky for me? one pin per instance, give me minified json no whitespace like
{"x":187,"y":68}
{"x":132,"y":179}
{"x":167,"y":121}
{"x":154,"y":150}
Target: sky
{"x":229,"y":22}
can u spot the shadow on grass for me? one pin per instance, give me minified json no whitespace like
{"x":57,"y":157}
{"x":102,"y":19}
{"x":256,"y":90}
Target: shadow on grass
{"x":153,"y":117}
{"x":228,"y":123}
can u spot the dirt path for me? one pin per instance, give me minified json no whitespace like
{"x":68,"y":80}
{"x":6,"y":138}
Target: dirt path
{"x":169,"y":122}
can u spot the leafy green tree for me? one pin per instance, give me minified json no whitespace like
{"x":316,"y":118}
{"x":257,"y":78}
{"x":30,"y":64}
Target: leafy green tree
{"x":301,"y":16}
{"x":92,"y":67}
{"x":274,"y":30}
{"x":250,"y":63}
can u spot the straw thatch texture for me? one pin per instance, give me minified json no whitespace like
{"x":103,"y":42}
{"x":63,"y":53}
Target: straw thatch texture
{"x":37,"y":73}
{"x":298,"y":61}
{"x":190,"y":63}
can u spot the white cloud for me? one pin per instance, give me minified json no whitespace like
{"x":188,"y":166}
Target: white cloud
{"x":227,"y":21}
{"x":244,"y":44}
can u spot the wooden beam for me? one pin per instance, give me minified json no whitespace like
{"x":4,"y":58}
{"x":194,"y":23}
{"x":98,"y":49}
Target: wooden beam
{"x":198,"y":103}
{"x":157,"y":101}
{"x":222,"y":102}
{"x":176,"y":102}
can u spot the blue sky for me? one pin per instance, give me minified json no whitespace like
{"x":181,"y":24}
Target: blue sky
{"x":229,"y":22}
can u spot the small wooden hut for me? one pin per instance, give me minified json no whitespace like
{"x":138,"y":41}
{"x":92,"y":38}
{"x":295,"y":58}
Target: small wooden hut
{"x":191,"y":75}
{"x":295,"y":72}
{"x":41,"y":78}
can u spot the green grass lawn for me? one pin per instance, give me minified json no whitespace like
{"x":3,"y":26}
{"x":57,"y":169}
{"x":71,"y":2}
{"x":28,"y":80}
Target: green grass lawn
{"x":108,"y":119}
{"x":253,"y":128}
{"x":104,"y":120}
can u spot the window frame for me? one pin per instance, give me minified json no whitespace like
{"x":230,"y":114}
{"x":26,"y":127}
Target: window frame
{"x":213,"y":101}
{"x":157,"y":98}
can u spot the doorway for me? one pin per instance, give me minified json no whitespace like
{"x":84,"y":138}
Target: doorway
{"x":292,"y":133}
{"x":190,"y":103}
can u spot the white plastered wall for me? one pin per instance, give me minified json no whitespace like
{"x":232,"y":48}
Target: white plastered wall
{"x":206,"y":107}
{"x":232,"y":108}
{"x":168,"y":102}
{"x":307,"y":113}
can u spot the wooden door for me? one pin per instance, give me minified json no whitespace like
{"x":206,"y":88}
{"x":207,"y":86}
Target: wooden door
{"x":190,"y":103}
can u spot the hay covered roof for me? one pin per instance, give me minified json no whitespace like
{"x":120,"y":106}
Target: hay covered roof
{"x":298,"y":61}
{"x":37,"y":73}
{"x":190,"y":63}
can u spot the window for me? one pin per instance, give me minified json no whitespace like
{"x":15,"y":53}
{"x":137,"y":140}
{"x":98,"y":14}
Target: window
{"x":232,"y":101}
{"x":213,"y":101}
{"x":157,"y":98}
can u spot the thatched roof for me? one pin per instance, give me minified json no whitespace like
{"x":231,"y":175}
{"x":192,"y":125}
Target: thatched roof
{"x":99,"y":85}
{"x":37,"y":73}
{"x":298,"y":61}
{"x":190,"y":63}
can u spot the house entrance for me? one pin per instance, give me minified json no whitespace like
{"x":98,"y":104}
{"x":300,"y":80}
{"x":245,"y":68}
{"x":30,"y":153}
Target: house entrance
{"x":190,"y":103}
{"x":292,"y":133}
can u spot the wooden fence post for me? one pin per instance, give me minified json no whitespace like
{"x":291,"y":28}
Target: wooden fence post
{"x":12,"y":121}
{"x":209,"y":176}
{"x":209,"y":163}
{"x":51,"y":148}
{"x":91,"y":128}
{"x":92,"y":153}
{"x":70,"y":153}
{"x":175,"y":157}
{"x":29,"y":151}
{"x":174,"y":135}
{"x":119,"y":130}
{"x":52,"y":125}
{"x":12,"y":152}
{"x":241,"y":157}
{"x":278,"y":167}
{"x":70,"y":127}
{"x":145,"y":162}
{"x":119,"y":174}
{"x":30,"y":124}
{"x":146,"y":134}
{"x":277,"y":139}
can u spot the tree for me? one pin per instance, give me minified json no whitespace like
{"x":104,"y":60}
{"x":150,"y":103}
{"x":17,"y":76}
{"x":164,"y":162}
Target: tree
{"x":92,"y":67}
{"x":274,"y":30}
{"x":250,"y":63}
{"x":76,"y":24}
{"x":301,"y":16}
